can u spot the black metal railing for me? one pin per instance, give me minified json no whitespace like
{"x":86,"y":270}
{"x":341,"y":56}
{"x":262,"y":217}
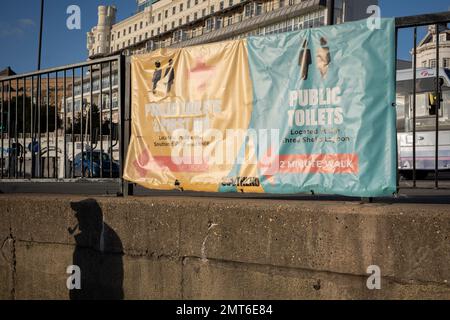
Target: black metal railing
{"x":63,"y":123}
{"x":437,"y":20}
{"x":72,"y":123}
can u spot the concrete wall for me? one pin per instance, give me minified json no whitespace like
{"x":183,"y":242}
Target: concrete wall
{"x":206,"y":248}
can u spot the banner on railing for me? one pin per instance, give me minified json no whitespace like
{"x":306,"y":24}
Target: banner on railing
{"x":305,"y":111}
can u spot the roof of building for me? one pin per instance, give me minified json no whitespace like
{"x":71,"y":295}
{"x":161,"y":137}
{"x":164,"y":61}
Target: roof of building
{"x":7,"y":72}
{"x":429,"y":36}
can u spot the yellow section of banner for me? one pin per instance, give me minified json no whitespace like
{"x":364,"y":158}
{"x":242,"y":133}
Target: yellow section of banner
{"x":190,"y":110}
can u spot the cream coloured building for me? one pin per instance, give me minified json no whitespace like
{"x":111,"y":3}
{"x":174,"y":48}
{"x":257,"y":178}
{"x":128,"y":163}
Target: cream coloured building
{"x":178,"y":23}
{"x":426,"y":49}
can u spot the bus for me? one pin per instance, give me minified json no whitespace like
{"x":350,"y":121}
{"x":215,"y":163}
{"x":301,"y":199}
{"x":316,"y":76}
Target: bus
{"x":425,"y":122}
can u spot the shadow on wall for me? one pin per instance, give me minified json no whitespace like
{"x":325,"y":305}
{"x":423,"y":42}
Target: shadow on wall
{"x":98,"y":254}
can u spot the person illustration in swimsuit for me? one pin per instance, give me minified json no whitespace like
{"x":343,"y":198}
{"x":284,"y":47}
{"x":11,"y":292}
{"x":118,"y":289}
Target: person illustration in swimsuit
{"x":170,"y":73}
{"x":304,"y":60}
{"x":323,"y":58}
{"x":156,"y":75}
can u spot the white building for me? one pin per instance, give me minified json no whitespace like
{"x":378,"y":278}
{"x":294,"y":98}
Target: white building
{"x":426,"y":49}
{"x":179,"y":23}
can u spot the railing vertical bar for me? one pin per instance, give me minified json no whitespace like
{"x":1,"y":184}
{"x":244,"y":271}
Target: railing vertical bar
{"x":397,"y":171}
{"x":91,"y":132}
{"x":40,"y":171}
{"x":101,"y":120}
{"x":65,"y":123}
{"x":24,"y":96}
{"x":16,"y":133}
{"x":73,"y":122}
{"x":110,"y":120}
{"x":414,"y":106}
{"x":56,"y":127}
{"x":1,"y":129}
{"x":9,"y":129}
{"x":33,"y":168}
{"x":438,"y":105}
{"x":48,"y":123}
{"x":121,"y":75}
{"x":81,"y":122}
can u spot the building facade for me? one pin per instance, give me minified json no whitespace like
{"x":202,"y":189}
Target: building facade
{"x":426,"y":49}
{"x":179,"y":23}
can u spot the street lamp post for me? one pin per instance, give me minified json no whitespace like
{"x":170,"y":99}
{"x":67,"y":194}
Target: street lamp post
{"x":37,"y":110}
{"x":40,"y":34}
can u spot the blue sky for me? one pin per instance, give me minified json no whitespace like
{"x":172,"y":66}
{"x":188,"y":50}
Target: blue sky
{"x":19,"y":27}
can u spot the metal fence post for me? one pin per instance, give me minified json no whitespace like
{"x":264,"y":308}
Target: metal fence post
{"x":125,"y":103}
{"x":438,"y":106}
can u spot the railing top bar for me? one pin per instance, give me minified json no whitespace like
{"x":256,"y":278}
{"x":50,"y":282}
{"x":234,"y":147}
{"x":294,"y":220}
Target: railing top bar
{"x":422,"y":20}
{"x":63,"y":68}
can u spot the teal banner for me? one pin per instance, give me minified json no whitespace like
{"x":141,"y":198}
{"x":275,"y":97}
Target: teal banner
{"x":324,"y":99}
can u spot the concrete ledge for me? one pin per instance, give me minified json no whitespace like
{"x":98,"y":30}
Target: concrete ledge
{"x":211,"y":248}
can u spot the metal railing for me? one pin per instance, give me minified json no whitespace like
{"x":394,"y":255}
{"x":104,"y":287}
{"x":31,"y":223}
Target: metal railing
{"x":437,"y":20}
{"x":72,"y":123}
{"x":63,"y":123}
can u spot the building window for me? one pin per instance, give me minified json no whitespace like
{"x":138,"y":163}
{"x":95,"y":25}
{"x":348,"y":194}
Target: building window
{"x":134,"y":40}
{"x":187,"y":19}
{"x":173,"y":24}
{"x":129,"y":30}
{"x":142,"y":24}
{"x":203,"y":12}
{"x":112,"y":37}
{"x":158,"y":31}
{"x":178,"y":36}
{"x":209,"y":24}
{"x":188,"y":4}
{"x":181,"y":7}
{"x":196,"y":2}
{"x":339,"y":12}
{"x":124,"y":32}
{"x":165,"y":27}
{"x":166,"y":13}
{"x":248,"y":12}
{"x":433,"y":63}
{"x":129,"y":42}
{"x":180,"y":22}
{"x":174,"y":10}
{"x":291,"y":2}
{"x":195,"y":15}
{"x":218,"y":22}
{"x":140,"y":38}
{"x":212,"y":9}
{"x":146,"y":35}
{"x":258,"y":8}
{"x":446,"y":63}
{"x":281,"y":3}
{"x":152,"y":33}
{"x":221,"y":5}
{"x":230,"y":3}
{"x":159,"y":16}
{"x":118,"y":35}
